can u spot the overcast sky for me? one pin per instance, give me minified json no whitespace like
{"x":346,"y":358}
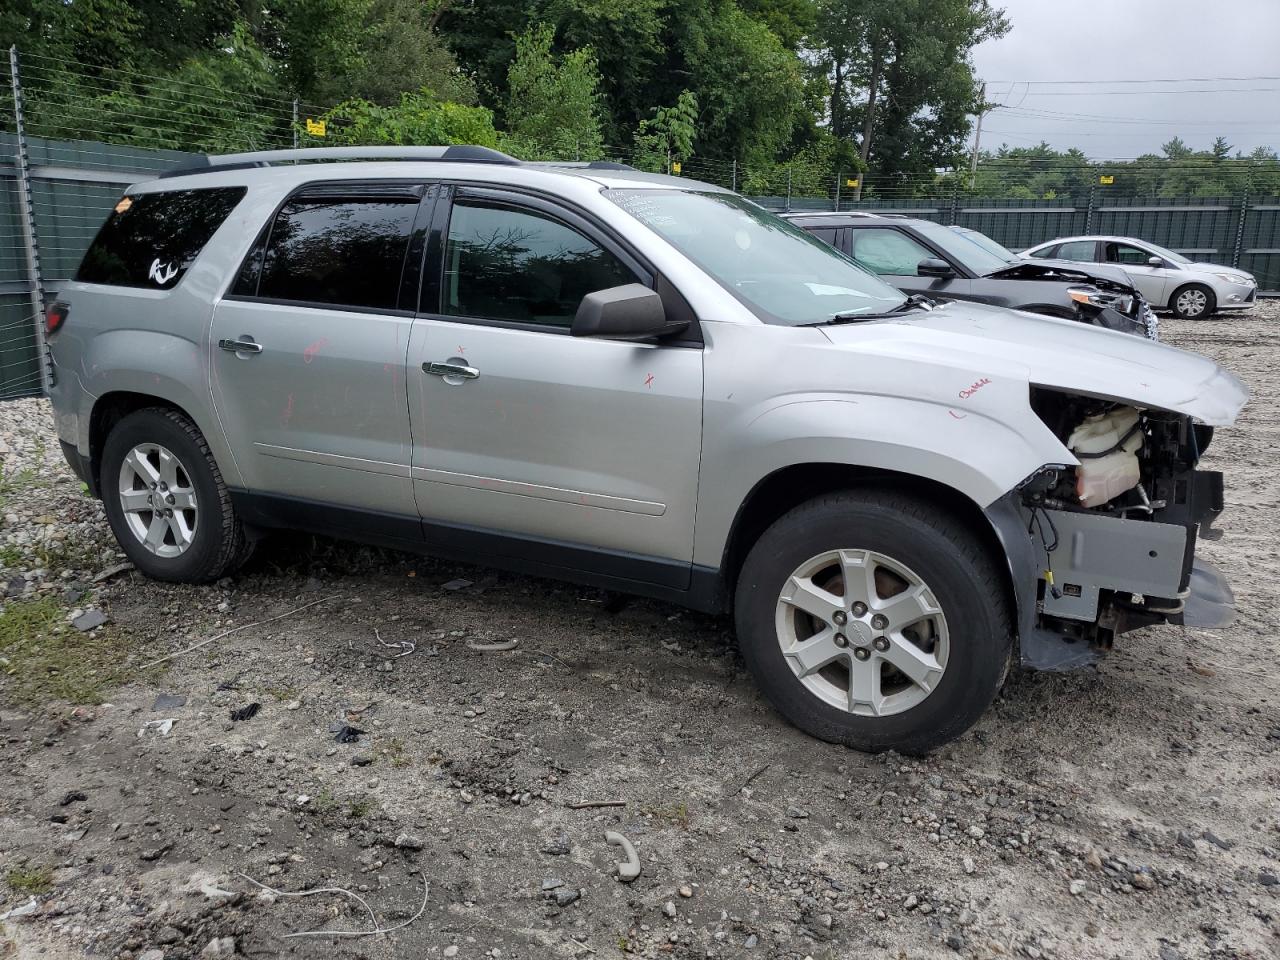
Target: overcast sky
{"x":1133,"y":40}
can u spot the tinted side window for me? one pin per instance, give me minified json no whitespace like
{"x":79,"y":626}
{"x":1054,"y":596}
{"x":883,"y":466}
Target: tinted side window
{"x":340,"y":251}
{"x":151,"y":239}
{"x":1047,"y":253}
{"x":1081,"y":251}
{"x":888,"y":252}
{"x":503,"y":263}
{"x":825,"y":234}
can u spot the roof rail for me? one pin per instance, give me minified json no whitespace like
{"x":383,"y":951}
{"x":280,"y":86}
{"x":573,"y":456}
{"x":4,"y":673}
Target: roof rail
{"x":584,"y":164}
{"x":458,"y":153}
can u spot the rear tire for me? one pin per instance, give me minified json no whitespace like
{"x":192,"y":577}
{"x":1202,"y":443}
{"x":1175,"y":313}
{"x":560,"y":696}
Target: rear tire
{"x":1195,"y":301}
{"x":835,"y":674}
{"x":165,"y":499}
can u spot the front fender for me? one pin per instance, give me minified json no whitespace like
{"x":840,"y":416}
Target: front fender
{"x":962,"y":448}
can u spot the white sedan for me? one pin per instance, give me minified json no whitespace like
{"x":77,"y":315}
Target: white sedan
{"x":1167,"y":279}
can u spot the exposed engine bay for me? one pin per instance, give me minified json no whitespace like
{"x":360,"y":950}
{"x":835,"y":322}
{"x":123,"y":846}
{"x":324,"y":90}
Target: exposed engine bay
{"x":1099,"y":300}
{"x":1118,"y":532}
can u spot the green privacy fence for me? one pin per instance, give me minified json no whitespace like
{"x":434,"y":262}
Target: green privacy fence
{"x":71,"y":187}
{"x":73,"y":184}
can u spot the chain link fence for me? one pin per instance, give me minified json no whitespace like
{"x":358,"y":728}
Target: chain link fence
{"x":71,"y":142}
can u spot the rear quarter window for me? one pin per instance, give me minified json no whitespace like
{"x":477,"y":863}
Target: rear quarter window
{"x":150,"y":240}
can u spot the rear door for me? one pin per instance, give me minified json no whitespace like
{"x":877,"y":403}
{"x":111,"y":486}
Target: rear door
{"x":542,"y":446}
{"x":307,"y":368}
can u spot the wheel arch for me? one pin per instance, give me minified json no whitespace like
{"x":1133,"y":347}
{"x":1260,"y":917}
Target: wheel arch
{"x":1048,"y":310}
{"x":1186,"y":284}
{"x":792,"y":485}
{"x":112,"y":407}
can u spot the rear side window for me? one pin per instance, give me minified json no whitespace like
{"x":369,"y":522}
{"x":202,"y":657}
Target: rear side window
{"x":341,"y":251}
{"x":150,"y":240}
{"x":1081,"y":250}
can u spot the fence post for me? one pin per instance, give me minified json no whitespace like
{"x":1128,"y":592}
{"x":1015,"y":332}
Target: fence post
{"x":836,"y":208}
{"x":295,"y":123}
{"x":955,"y":202}
{"x":1244,"y":212}
{"x":1088,"y":211}
{"x":734,"y":186}
{"x":788,"y":187}
{"x":27,"y":214}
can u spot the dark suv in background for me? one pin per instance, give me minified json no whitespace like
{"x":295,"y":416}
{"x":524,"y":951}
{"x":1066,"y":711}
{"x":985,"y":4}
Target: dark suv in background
{"x":955,"y":263}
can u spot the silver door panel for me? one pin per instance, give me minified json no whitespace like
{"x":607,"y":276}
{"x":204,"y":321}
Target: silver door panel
{"x":320,"y":413}
{"x":587,"y":441}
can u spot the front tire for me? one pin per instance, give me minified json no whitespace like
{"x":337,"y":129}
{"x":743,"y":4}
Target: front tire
{"x":165,"y":499}
{"x":1195,"y":301}
{"x":874,"y":620}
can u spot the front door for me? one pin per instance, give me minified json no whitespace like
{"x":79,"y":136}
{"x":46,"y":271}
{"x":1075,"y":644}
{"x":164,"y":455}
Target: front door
{"x":307,"y":365}
{"x":529,"y":442}
{"x":896,"y":257}
{"x":1152,"y":282}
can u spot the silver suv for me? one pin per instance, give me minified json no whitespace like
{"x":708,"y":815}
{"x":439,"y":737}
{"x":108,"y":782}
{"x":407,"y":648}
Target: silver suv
{"x":646,"y":384}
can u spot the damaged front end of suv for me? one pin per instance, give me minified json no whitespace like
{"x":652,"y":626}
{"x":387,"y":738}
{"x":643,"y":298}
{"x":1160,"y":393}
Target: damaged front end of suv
{"x":1107,"y":544}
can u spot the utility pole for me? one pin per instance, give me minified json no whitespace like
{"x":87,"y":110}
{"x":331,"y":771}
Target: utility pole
{"x":977,"y":134}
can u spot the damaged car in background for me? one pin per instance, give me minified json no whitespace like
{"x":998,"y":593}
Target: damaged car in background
{"x":698,"y":402}
{"x":958,"y":263}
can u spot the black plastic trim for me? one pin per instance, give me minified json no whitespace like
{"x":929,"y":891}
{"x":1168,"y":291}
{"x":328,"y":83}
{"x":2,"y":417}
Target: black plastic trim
{"x":80,"y":465}
{"x":699,"y":588}
{"x":314,"y":305}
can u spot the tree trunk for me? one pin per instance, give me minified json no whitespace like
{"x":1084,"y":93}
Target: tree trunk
{"x":873,"y":91}
{"x":837,"y":99}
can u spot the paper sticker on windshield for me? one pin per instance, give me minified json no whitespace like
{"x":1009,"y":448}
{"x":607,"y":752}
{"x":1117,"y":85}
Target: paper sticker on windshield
{"x":162,"y":273}
{"x":829,"y":290}
{"x":124,"y":204}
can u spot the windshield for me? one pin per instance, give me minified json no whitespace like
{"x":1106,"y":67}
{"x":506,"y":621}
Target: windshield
{"x":779,"y":272}
{"x":974,"y":257}
{"x":987,"y":244}
{"x":1168,"y":254}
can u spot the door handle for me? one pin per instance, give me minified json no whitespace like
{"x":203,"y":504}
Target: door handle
{"x":245,"y":344}
{"x":453,"y":368}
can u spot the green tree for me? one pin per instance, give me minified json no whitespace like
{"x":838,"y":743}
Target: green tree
{"x":553,"y":102}
{"x":419,"y":119}
{"x":239,"y":104}
{"x":373,"y":50}
{"x":668,"y":135}
{"x":901,"y":79}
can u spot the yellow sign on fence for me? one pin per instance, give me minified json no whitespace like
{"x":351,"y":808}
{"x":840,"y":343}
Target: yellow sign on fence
{"x":675,"y":166}
{"x":852,"y":183}
{"x":315,"y":127}
{"x":1107,"y":180}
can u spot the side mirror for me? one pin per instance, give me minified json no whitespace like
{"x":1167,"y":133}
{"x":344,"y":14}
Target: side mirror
{"x":1155,"y":261}
{"x":629,"y":312}
{"x":933,"y":267}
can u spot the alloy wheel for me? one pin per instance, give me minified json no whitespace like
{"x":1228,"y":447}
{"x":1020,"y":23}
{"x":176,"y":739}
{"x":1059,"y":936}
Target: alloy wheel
{"x":1192,"y":303}
{"x":158,"y":499}
{"x":863,"y":632}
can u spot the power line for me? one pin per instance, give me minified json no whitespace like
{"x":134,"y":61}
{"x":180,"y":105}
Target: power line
{"x":1082,"y":83}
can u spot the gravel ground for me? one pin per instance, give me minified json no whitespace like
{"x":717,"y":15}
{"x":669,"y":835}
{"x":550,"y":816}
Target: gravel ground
{"x":1130,"y":811}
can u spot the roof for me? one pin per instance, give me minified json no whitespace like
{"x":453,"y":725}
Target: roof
{"x":461,"y":161}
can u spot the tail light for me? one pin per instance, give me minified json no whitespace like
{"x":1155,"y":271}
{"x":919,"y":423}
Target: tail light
{"x":55,"y":317}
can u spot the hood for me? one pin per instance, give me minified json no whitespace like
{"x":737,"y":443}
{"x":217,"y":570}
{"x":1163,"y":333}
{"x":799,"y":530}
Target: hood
{"x":1068,"y":271}
{"x":1215,"y":268}
{"x":1059,"y":354}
